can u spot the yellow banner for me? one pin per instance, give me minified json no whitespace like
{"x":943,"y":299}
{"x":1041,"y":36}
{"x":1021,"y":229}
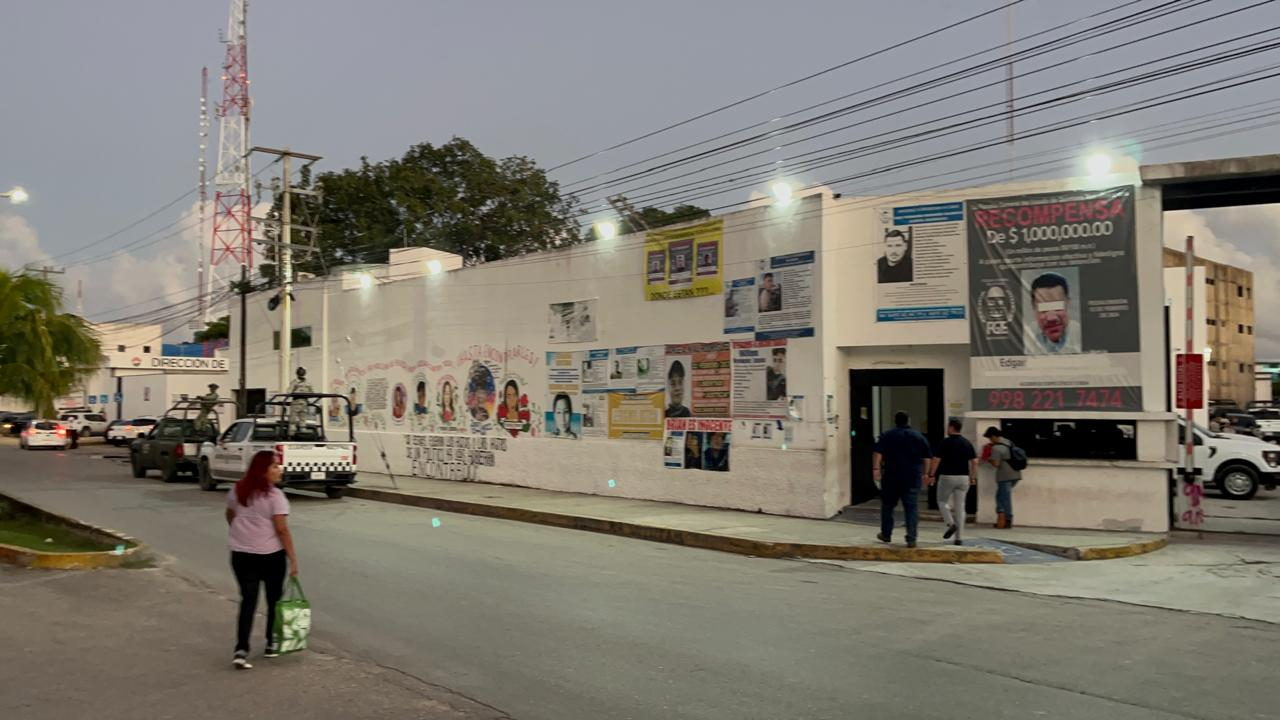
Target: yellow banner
{"x":684,"y":262}
{"x":635,"y":417}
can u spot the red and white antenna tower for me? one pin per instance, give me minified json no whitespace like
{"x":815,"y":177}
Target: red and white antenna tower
{"x":232,"y":236}
{"x":202,"y":282}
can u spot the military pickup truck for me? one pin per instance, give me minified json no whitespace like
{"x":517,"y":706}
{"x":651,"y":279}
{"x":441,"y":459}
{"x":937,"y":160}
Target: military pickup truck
{"x":172,"y":446}
{"x":291,"y":426}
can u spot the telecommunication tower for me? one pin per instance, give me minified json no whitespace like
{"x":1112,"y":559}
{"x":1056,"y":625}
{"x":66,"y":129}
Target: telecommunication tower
{"x":232,"y":237}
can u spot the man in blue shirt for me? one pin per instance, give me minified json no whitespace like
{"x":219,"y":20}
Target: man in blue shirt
{"x":898,"y":464}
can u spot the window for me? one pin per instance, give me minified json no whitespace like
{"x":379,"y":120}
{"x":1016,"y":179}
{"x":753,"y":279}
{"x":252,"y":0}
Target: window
{"x":1240,"y":328}
{"x":119,"y":348}
{"x":1241,"y":367}
{"x":146,"y":348}
{"x":1248,"y":293}
{"x":1248,"y":329}
{"x":300,"y":337}
{"x":1213,"y":363}
{"x":1239,"y":291}
{"x":1075,"y":439}
{"x":97,"y":418}
{"x":1211,"y":321}
{"x":1208,"y":281}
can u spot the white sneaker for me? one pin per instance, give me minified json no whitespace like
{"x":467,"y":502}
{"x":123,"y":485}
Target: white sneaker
{"x":241,"y":661}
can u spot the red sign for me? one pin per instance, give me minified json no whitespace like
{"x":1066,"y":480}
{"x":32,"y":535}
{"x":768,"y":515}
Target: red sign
{"x":1190,"y":381}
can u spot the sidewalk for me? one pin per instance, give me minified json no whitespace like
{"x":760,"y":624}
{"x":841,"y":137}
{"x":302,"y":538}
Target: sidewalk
{"x":748,"y":533}
{"x":126,"y":644}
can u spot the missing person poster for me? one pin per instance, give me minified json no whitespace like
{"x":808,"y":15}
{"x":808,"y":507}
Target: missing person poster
{"x":740,"y":306}
{"x":572,"y":322}
{"x":760,"y":379}
{"x":1053,"y":288}
{"x":918,"y":273}
{"x":697,"y":444}
{"x":564,"y":391}
{"x":684,"y":262}
{"x":784,"y":296}
{"x":635,"y":416}
{"x":595,"y":414}
{"x":699,"y":380}
{"x":595,"y":371}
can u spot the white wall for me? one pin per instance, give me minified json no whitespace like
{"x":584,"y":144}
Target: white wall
{"x":499,"y":311}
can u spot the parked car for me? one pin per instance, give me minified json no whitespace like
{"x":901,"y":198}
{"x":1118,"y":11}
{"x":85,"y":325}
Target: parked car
{"x":1236,"y":465}
{"x":44,"y":433}
{"x":1243,"y":424}
{"x":14,"y":424}
{"x":173,"y":444}
{"x":87,"y":424}
{"x":1268,"y":423}
{"x":309,"y":459}
{"x":130,"y":430}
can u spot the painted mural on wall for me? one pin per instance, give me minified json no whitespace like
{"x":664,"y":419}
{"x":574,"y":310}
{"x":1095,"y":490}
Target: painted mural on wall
{"x":459,"y":394}
{"x":451,"y":457}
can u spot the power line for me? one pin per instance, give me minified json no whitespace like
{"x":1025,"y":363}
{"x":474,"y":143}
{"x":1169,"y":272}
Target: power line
{"x":785,"y":85}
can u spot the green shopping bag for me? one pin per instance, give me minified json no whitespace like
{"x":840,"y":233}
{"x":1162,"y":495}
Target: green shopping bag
{"x":293,"y":619}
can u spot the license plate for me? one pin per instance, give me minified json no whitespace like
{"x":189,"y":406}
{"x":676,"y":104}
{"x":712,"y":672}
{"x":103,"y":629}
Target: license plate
{"x":317,"y":475}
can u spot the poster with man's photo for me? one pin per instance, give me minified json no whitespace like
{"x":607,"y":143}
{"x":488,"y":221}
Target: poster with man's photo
{"x":697,"y":444}
{"x":595,"y":371}
{"x":572,"y":322}
{"x":740,"y":307}
{"x":595,"y":414}
{"x":1054,"y":302}
{"x":918,"y":272}
{"x":760,"y":379}
{"x":699,"y":380}
{"x":784,"y":287}
{"x":564,"y":395}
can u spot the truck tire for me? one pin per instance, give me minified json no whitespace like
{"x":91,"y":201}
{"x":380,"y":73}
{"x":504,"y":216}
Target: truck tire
{"x":333,"y":492}
{"x":1238,"y":482}
{"x":207,"y":482}
{"x":169,"y":471}
{"x":136,"y":463}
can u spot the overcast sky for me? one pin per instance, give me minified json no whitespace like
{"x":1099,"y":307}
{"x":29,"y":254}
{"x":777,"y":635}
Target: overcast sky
{"x":100,"y":101}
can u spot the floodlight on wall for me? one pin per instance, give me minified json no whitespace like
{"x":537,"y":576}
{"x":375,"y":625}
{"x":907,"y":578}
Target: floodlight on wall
{"x":606,"y":230}
{"x":1099,"y":163}
{"x":434,"y":267}
{"x":782,"y":192}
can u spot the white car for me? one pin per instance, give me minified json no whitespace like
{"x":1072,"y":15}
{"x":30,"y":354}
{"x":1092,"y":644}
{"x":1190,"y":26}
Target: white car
{"x":132,"y":430}
{"x":44,"y":434}
{"x":1237,"y":465}
{"x":87,"y":424}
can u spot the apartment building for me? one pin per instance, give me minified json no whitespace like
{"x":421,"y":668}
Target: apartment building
{"x":1229,"y":316}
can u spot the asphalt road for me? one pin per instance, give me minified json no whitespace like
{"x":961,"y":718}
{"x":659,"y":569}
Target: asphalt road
{"x":545,"y":623}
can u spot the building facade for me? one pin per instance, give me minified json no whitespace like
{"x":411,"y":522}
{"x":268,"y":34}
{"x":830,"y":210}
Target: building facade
{"x":749,"y":361}
{"x":1229,"y":315}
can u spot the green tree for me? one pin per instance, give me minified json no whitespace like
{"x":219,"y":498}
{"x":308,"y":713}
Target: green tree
{"x":451,"y":197}
{"x":219,"y":329}
{"x":44,"y":352}
{"x":655,"y":218}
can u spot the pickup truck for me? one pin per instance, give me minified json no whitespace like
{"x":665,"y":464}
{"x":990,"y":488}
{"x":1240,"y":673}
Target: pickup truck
{"x":87,"y":424}
{"x":309,"y":460}
{"x":173,"y":444}
{"x":1268,"y":423}
{"x":1237,"y":465}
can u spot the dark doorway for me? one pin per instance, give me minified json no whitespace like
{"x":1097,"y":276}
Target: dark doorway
{"x":875,"y":395}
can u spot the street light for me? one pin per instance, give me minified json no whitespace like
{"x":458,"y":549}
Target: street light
{"x":607,"y":229}
{"x":17,"y":196}
{"x":1099,"y":164}
{"x":781,"y":193}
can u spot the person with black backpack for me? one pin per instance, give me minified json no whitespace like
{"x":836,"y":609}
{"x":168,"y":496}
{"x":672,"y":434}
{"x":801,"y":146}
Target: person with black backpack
{"x":1009,"y":460}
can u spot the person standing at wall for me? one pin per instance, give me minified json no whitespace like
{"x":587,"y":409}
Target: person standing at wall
{"x":1006,"y":475}
{"x":954,"y":468}
{"x":898,"y":464}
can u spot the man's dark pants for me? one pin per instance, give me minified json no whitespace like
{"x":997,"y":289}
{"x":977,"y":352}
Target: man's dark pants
{"x":890,"y":495}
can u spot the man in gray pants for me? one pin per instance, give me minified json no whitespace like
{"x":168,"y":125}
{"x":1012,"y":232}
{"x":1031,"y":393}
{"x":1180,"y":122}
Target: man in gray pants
{"x":954,"y":468}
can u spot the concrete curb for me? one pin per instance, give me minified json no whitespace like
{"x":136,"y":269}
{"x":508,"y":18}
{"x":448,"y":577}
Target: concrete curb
{"x":688,"y":538}
{"x":1106,"y":552}
{"x":134,"y":553}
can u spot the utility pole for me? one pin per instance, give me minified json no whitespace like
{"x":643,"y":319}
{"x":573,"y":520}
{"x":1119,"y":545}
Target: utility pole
{"x":1008,"y":83}
{"x":284,"y":245}
{"x":45,"y":270}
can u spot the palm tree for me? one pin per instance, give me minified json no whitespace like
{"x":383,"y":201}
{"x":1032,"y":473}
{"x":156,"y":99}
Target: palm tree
{"x":44,"y":352}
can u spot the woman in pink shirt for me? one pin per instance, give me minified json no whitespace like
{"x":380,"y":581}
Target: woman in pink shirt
{"x":257,"y":513}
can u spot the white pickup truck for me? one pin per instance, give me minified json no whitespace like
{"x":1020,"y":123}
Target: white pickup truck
{"x":309,"y":460}
{"x":1268,"y":422}
{"x":1237,"y":465}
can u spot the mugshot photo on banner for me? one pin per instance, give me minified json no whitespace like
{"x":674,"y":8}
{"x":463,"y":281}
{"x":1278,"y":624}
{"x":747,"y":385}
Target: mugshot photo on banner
{"x":1053,"y":284}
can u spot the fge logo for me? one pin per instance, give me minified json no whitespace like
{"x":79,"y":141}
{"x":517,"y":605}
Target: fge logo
{"x":995,"y":311}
